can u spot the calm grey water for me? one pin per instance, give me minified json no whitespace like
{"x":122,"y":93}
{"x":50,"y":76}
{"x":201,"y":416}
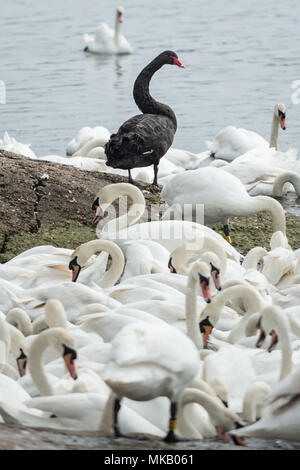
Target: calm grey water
{"x":240,"y":57}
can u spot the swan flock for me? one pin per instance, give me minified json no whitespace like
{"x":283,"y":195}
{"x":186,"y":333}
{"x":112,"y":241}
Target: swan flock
{"x":160,"y":327}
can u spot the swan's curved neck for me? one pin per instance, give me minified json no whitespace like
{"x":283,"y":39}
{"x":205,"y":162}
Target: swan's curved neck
{"x":192,"y":320}
{"x":142,"y":96}
{"x":274,"y":131}
{"x":254,"y":257}
{"x":215,"y":410}
{"x":286,"y":177}
{"x":193,"y":250}
{"x":244,"y":292}
{"x":247,"y":293}
{"x":118,"y":260}
{"x":135,"y":212}
{"x":265,"y":203}
{"x":286,"y":348}
{"x":55,"y":315}
{"x":19,"y":318}
{"x":36,"y":364}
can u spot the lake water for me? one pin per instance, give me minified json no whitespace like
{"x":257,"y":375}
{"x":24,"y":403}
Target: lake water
{"x":241,"y":58}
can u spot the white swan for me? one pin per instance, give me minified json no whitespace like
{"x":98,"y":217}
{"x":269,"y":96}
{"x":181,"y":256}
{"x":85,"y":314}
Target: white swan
{"x":62,"y":341}
{"x":215,"y":195}
{"x":211,"y":314}
{"x":169,"y":233}
{"x":108,"y":41}
{"x":258,"y":170}
{"x":10,"y":144}
{"x":147,"y":361}
{"x":170,"y":310}
{"x":85,"y":135}
{"x":286,"y":177}
{"x":12,"y":341}
{"x":231,"y":142}
{"x":83,"y":252}
{"x":281,"y":417}
{"x":253,"y":402}
{"x":73,"y":296}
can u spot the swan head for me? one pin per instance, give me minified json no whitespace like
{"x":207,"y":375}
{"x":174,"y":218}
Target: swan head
{"x":271,"y":319}
{"x":75,"y":267}
{"x":119,"y":13}
{"x":280,"y":113}
{"x":214,"y":262}
{"x":200,"y":272}
{"x":22,"y":363}
{"x":169,"y":57}
{"x":69,"y":356}
{"x":62,"y":340}
{"x":98,"y":211}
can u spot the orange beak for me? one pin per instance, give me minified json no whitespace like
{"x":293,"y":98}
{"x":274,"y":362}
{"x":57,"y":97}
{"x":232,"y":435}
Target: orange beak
{"x":69,"y":357}
{"x":206,"y":291}
{"x":216,"y":279}
{"x":96,"y":214}
{"x":75,"y":272}
{"x":282,"y":122}
{"x":206,"y":334}
{"x":274,"y":341}
{"x":22,"y":363}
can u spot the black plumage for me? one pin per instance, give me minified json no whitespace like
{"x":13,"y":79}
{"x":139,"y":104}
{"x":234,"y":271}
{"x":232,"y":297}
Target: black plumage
{"x":145,"y":138}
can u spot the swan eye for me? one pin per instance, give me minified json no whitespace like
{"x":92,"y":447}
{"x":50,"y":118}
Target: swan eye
{"x":96,"y":204}
{"x":213,"y":268}
{"x":67,"y":350}
{"x":73,"y":263}
{"x":203,"y":279}
{"x":281,"y":113}
{"x":204,"y":323}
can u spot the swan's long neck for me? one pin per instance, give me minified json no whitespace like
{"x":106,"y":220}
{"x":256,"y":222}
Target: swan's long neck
{"x":265,"y":203}
{"x":244,"y":292}
{"x":136,"y":210}
{"x":118,"y":26}
{"x":55,"y":314}
{"x":4,"y":337}
{"x":36,"y":364}
{"x":107,"y":418}
{"x":142,"y":96}
{"x":192,"y":320}
{"x":118,"y":260}
{"x":193,"y":250}
{"x":254,"y":257}
{"x":216,"y":411}
{"x":274,"y":131}
{"x":286,"y":177}
{"x":19,"y":318}
{"x":286,"y":348}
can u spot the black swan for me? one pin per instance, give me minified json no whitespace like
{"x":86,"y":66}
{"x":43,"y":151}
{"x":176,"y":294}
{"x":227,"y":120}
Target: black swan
{"x":145,"y":138}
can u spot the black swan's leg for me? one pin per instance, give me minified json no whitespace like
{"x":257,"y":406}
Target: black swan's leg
{"x":117,"y":406}
{"x":171,"y":436}
{"x":155,"y":174}
{"x":226,"y":232}
{"x":131,"y":181}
